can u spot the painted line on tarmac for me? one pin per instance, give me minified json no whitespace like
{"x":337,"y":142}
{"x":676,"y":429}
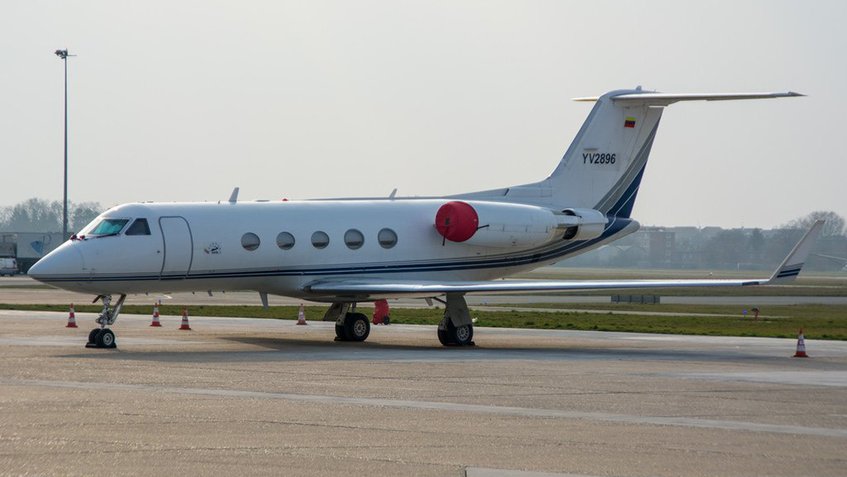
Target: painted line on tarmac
{"x":486,"y":472}
{"x":445,"y":406}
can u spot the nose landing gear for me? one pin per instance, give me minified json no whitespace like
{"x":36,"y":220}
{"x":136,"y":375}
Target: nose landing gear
{"x":104,"y":337}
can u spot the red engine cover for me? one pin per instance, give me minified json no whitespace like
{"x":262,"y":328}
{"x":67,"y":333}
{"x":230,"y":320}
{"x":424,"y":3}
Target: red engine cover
{"x":456,"y":221}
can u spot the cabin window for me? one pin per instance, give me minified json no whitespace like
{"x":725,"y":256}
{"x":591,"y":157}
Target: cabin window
{"x":108,"y":227}
{"x":139,"y":227}
{"x":354,"y":239}
{"x":250,"y":241}
{"x":387,"y":238}
{"x":285,"y":241}
{"x":320,"y":239}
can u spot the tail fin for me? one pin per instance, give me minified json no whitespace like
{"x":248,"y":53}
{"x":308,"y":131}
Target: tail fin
{"x":603,"y":167}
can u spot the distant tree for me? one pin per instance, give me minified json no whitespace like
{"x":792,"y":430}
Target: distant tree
{"x":35,"y":215}
{"x":756,"y":245}
{"x":83,"y":213}
{"x":39,"y":215}
{"x":780,"y":243}
{"x":834,"y":223}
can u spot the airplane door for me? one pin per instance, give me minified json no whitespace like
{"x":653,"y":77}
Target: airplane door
{"x":178,"y":246}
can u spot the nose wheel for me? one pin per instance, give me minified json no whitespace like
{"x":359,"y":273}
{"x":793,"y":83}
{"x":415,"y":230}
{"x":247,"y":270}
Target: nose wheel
{"x":101,"y":338}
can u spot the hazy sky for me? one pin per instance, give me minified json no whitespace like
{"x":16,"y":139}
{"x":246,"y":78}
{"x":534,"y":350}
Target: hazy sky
{"x":183,"y":100}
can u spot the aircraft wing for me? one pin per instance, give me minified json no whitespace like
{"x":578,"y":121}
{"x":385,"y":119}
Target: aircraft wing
{"x":364,"y":288}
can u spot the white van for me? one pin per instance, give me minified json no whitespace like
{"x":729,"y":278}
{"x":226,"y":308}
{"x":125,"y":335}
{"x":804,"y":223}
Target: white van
{"x":8,"y":266}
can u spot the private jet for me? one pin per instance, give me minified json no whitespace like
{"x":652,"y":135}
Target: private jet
{"x":345,"y":251}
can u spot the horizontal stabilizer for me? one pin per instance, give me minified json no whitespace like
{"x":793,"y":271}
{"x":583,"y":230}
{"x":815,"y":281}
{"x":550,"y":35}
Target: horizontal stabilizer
{"x":665,"y":99}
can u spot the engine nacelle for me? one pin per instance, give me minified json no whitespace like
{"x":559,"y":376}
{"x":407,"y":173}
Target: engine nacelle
{"x":583,"y":224}
{"x":504,"y":225}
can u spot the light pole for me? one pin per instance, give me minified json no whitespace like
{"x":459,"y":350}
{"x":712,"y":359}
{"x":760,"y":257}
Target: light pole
{"x":63,"y":54}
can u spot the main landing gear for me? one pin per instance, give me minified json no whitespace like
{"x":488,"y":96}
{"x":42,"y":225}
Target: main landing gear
{"x":104,"y":337}
{"x":349,"y":325}
{"x":455,"y":329}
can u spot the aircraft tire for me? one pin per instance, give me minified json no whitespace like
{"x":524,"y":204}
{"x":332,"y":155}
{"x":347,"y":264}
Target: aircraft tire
{"x":462,"y":335}
{"x":92,"y":337}
{"x":444,"y":335}
{"x":339,"y":333}
{"x":357,"y":327}
{"x":450,"y":335}
{"x":105,"y":339}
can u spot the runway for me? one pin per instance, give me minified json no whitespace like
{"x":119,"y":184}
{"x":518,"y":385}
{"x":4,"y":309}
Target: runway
{"x":268,"y":397}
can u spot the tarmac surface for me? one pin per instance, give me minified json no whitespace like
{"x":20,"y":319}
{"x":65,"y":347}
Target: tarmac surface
{"x":267,"y":397}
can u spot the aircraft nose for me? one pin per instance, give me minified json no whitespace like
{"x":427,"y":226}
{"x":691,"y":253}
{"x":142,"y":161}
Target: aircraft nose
{"x":65,"y":261}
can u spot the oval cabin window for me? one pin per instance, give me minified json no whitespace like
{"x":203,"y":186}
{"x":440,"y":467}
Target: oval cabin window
{"x":250,"y":241}
{"x":285,"y":241}
{"x":320,"y":239}
{"x":354,"y":239}
{"x":387,"y":238}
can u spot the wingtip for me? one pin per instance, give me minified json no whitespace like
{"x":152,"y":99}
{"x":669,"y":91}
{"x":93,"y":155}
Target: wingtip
{"x":793,"y":263}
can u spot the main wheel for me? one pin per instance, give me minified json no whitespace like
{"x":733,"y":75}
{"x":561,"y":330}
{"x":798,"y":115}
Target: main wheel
{"x":339,"y":333}
{"x":443,"y":334}
{"x":452,"y":335}
{"x":356,"y":327}
{"x":463,"y":335}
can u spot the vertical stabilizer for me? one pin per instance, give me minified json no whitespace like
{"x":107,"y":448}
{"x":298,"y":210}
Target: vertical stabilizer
{"x":603,"y":166}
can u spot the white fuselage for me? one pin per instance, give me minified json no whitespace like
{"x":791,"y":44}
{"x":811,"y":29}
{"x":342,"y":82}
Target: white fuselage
{"x":212,"y":246}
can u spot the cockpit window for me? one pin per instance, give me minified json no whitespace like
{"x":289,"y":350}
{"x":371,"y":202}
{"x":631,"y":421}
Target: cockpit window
{"x":108,"y":227}
{"x":139,"y":227}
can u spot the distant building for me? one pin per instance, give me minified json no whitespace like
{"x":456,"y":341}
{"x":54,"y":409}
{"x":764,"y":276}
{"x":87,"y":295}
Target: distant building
{"x":28,"y":247}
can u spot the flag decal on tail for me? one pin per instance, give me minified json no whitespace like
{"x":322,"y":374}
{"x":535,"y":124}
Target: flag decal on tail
{"x":629,"y":122}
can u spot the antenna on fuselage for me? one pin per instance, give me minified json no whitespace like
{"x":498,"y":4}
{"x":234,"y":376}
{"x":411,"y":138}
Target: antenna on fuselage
{"x":233,"y":198}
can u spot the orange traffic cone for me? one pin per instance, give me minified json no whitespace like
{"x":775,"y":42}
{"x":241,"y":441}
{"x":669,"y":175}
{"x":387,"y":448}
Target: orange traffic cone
{"x":301,"y":316}
{"x":156,"y":316}
{"x":184,"y":325}
{"x":72,"y":318}
{"x":801,"y":346}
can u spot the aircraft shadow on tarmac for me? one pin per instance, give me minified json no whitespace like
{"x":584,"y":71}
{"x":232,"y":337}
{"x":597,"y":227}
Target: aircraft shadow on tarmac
{"x":292,"y":349}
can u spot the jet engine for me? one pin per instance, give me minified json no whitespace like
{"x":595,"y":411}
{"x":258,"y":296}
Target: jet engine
{"x":504,"y":225}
